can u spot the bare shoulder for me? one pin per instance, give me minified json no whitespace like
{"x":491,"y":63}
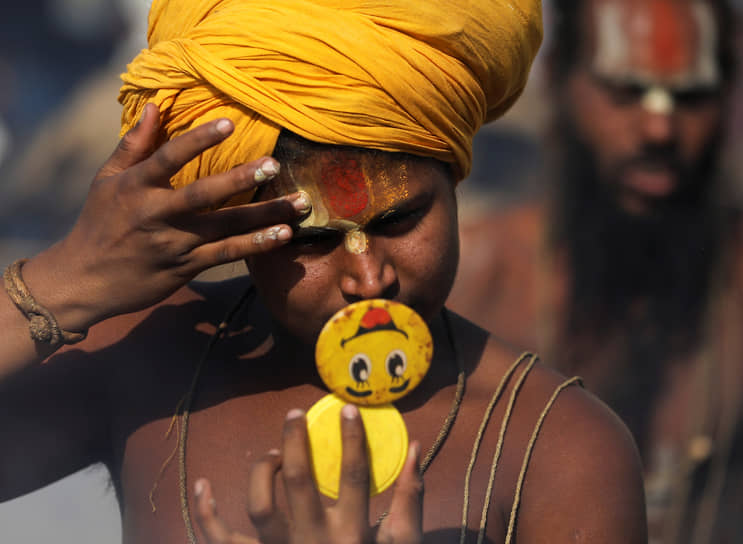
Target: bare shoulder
{"x":194,"y":304}
{"x":583,"y":475}
{"x":588,"y":460}
{"x":569,"y":463}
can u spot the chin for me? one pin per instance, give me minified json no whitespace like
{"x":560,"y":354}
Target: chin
{"x":635,"y":204}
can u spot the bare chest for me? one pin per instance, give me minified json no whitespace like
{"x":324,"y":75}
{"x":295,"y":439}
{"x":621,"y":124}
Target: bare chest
{"x":224,"y":437}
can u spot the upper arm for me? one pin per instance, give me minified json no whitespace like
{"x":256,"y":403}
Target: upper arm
{"x":53,"y":421}
{"x":584,"y":481}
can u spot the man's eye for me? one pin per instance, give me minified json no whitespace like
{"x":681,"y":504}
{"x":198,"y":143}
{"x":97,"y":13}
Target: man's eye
{"x":696,"y":97}
{"x":318,"y":240}
{"x":398,"y":222}
{"x":625,"y":95}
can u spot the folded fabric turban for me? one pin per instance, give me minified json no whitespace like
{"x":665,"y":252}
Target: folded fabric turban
{"x":417,"y":76}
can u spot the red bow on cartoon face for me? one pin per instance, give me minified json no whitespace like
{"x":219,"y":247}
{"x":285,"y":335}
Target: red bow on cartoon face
{"x":375,"y":319}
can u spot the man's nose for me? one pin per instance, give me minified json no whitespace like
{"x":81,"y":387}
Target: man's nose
{"x":366,"y":275}
{"x":657,"y":115}
{"x":658,"y":128}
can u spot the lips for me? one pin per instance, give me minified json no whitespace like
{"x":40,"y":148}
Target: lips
{"x":651,"y":175}
{"x":653,"y":182}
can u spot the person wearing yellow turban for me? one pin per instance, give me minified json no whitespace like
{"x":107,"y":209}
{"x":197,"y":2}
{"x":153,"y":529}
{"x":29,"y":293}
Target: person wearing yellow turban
{"x":416,"y":77}
{"x":321,"y":142}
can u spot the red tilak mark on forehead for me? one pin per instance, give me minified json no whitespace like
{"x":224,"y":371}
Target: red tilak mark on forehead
{"x":374,"y":317}
{"x":344,"y":187}
{"x":669,"y":45}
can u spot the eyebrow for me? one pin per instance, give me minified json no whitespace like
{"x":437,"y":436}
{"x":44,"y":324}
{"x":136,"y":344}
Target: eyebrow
{"x":316,"y":231}
{"x":400,"y":207}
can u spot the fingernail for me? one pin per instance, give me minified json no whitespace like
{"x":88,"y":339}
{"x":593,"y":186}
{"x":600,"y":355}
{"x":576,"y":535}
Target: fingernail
{"x":350,"y":411}
{"x":294,"y":414}
{"x":285,"y":234}
{"x":144,"y":114}
{"x":268,"y":170}
{"x":301,"y":202}
{"x":413,"y":450}
{"x":198,"y":487}
{"x":213,"y":503}
{"x":224,"y":126}
{"x":274,"y":452}
{"x":279,"y":233}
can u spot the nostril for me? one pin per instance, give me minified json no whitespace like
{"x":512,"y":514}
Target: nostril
{"x":368,"y":275}
{"x":391,"y":291}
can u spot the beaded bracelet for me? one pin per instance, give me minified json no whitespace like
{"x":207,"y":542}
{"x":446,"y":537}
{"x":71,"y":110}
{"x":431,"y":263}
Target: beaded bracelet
{"x":42,"y":324}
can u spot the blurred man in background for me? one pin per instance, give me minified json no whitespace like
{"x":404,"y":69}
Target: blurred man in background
{"x":630,"y":272}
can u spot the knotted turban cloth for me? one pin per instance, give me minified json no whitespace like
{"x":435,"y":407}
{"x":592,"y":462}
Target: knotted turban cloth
{"x":415,"y":76}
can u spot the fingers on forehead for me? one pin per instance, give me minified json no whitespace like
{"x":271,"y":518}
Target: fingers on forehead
{"x":240,"y":247}
{"x":213,"y":191}
{"x":174,"y":154}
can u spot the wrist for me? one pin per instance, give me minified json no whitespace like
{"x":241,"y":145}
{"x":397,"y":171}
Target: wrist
{"x":60,"y":291}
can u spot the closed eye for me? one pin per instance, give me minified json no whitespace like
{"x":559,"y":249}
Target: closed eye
{"x":316,"y":239}
{"x":696,"y":97}
{"x":399,"y":221}
{"x":625,"y":94}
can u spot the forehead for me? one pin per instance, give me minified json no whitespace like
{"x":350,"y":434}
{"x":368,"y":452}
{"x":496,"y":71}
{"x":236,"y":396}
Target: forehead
{"x":348,"y":187}
{"x":671,"y":42}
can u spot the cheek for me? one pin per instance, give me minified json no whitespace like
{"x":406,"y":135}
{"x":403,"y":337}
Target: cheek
{"x":613,"y":138}
{"x":292,"y":289}
{"x":696,"y":129}
{"x":428,"y":265}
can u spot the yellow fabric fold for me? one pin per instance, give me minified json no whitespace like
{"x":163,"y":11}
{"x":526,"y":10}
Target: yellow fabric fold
{"x":396,"y":75}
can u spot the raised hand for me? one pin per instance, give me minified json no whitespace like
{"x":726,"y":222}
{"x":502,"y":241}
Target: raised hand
{"x":137,"y":240}
{"x":308,"y":521}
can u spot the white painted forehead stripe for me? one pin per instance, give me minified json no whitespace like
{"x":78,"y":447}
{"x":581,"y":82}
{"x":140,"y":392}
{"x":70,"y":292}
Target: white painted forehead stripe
{"x":613,"y":56}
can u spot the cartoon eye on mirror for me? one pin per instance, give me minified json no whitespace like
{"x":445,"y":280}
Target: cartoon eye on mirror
{"x":360,"y":368}
{"x":396,"y":364}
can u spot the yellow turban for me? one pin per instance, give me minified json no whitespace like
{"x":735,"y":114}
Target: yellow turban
{"x":396,"y":75}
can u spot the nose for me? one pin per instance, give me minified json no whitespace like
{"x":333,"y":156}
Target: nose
{"x":658,"y":106}
{"x":658,"y":128}
{"x":366,"y":275}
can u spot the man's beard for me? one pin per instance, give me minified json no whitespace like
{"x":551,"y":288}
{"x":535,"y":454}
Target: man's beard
{"x":641,"y":283}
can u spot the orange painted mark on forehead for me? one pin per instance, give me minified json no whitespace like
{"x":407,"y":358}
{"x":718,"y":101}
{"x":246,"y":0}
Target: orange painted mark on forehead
{"x":344,"y":186}
{"x":672,"y":32}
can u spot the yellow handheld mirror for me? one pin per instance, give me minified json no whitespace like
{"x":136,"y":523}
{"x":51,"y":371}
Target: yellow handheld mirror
{"x":370,"y":353}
